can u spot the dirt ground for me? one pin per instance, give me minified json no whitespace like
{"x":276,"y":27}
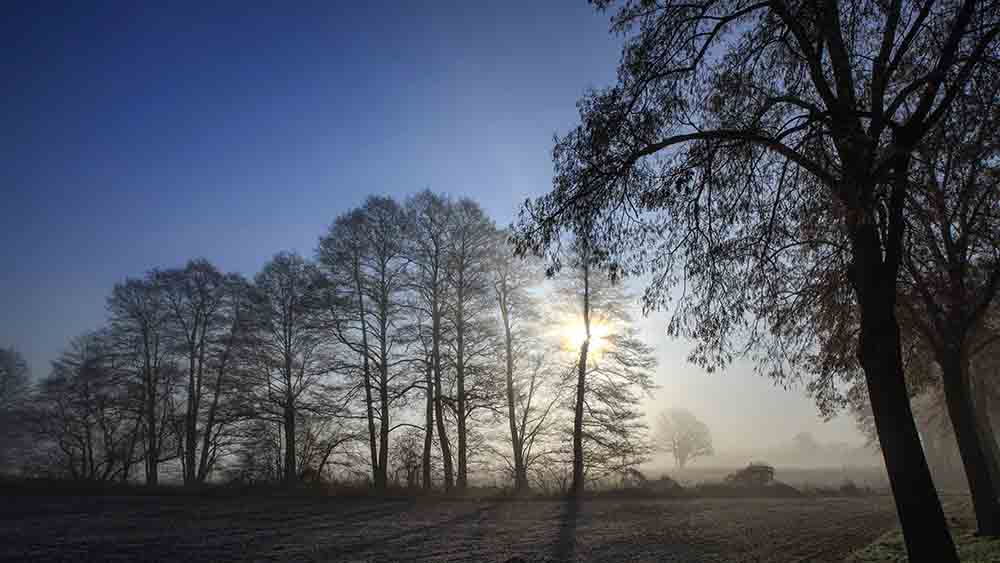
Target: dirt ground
{"x":99,"y":528}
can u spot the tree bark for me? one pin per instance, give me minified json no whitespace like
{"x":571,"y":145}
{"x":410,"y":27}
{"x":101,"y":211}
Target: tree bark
{"x":974,"y":455}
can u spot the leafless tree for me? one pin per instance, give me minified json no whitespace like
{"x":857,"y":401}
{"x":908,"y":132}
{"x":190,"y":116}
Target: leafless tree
{"x":682,"y":435}
{"x":471,"y":237}
{"x":613,"y":366}
{"x":366,"y":251}
{"x":429,"y":220}
{"x":194,"y":297}
{"x":15,"y":390}
{"x":83,"y":422}
{"x":514,"y":281}
{"x":138,"y":328}
{"x":289,"y":346}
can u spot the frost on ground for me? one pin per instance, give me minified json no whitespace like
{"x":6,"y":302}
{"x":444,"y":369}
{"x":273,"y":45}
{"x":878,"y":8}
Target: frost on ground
{"x":338,"y":529}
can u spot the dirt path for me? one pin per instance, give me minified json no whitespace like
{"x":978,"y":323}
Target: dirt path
{"x":330,"y":529}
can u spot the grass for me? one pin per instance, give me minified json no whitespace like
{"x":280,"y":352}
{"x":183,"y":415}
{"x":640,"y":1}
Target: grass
{"x":889,"y":548}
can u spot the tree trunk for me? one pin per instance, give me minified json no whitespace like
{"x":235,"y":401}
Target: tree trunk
{"x":367,"y":374}
{"x":428,"y":427}
{"x":981,"y":410}
{"x":974,"y":455}
{"x":190,"y":425}
{"x":578,"y":421}
{"x":581,"y":385}
{"x":383,"y":453}
{"x":290,"y":470}
{"x":204,"y":465}
{"x":449,"y":477}
{"x":152,"y":444}
{"x":520,"y":475}
{"x":917,"y":504}
{"x":462,"y":482}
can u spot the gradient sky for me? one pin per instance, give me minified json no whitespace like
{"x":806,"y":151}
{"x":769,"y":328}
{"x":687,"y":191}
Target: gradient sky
{"x":141,"y":134}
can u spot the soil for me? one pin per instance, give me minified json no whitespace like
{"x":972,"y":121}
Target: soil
{"x":122,"y":528}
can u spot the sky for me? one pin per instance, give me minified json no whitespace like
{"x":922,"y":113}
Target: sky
{"x":142,"y":134}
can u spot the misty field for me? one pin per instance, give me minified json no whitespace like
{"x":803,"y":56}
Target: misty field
{"x":170,"y":528}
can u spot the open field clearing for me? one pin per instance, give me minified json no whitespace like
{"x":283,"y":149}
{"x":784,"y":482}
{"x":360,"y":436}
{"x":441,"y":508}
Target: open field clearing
{"x":338,"y":529}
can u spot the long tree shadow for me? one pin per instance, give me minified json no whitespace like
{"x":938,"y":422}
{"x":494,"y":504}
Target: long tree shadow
{"x":566,"y":543}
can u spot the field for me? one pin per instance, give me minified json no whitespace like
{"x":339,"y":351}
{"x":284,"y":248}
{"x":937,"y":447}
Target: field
{"x":301,"y":528}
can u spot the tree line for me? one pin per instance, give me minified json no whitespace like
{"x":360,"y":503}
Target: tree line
{"x":414,"y":348}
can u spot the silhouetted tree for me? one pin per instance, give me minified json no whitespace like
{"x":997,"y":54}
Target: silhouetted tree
{"x":429,"y":220}
{"x":612,"y":365}
{"x":343,"y":252}
{"x":140,"y":334}
{"x":194,"y":297}
{"x":366,"y":250}
{"x":952,"y":267}
{"x":15,"y":389}
{"x":471,"y":237}
{"x":289,"y":347}
{"x":682,"y":435}
{"x":739,"y":134}
{"x":84,"y":422}
{"x":514,"y":279}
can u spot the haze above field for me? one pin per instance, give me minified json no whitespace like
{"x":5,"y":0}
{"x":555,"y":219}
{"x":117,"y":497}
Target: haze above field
{"x":203,"y":131}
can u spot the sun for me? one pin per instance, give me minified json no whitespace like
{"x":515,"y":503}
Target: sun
{"x":574,"y":333}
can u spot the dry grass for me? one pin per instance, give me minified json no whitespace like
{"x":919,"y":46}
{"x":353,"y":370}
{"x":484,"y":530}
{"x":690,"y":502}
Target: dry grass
{"x":889,"y":548}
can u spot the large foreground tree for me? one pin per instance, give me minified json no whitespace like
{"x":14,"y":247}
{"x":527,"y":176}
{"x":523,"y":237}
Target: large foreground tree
{"x":750,"y":148}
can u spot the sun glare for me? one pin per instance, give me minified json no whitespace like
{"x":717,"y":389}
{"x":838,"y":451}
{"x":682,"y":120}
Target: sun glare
{"x":575,"y":333}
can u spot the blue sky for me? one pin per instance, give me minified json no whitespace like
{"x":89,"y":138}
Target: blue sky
{"x":141,"y":134}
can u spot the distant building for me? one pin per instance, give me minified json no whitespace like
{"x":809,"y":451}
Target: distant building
{"x":755,"y":474}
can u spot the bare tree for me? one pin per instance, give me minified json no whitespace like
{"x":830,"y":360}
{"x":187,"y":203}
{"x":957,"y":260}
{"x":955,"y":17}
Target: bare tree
{"x":681,"y":434}
{"x":739,"y":137}
{"x":370,"y":264}
{"x":194,"y":297}
{"x":429,"y":219}
{"x":535,"y":393}
{"x":138,"y":327}
{"x":83,"y":421}
{"x":343,"y":252}
{"x":226,"y":363}
{"x":613,"y":365}
{"x":15,"y":389}
{"x":470,"y":244}
{"x":289,"y":346}
{"x":514,"y":279}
